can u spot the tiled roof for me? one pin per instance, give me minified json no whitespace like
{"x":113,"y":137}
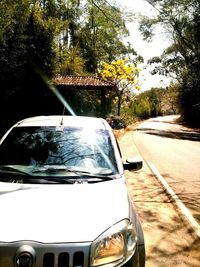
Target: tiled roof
{"x":83,"y":81}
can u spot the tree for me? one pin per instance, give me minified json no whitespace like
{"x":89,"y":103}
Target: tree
{"x":181,"y":20}
{"x":101,"y":37}
{"x":91,"y":32}
{"x":125,"y":77}
{"x":53,"y":37}
{"x":154,"y":102}
{"x":26,"y":46}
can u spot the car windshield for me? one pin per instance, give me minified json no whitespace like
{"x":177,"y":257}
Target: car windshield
{"x":57,"y":151}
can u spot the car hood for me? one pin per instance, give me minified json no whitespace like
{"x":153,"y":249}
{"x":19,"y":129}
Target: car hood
{"x":61,"y":213}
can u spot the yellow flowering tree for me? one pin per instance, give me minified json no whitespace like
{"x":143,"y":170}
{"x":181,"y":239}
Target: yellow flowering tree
{"x":125,"y":77}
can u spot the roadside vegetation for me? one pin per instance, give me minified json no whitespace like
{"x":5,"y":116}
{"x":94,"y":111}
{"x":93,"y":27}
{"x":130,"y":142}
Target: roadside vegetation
{"x":181,"y":22}
{"x":72,"y":37}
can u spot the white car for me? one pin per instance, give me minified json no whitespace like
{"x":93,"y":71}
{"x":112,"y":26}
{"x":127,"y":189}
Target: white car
{"x":64,"y":198}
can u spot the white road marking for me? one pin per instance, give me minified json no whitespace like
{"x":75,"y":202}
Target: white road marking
{"x":187,"y":214}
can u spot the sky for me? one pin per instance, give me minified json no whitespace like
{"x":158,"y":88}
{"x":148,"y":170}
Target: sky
{"x":144,"y":48}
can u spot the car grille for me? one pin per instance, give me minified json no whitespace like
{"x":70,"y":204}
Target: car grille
{"x":63,"y":259}
{"x":46,"y":255}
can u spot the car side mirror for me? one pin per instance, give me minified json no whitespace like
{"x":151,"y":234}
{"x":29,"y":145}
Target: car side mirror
{"x":133,"y":164}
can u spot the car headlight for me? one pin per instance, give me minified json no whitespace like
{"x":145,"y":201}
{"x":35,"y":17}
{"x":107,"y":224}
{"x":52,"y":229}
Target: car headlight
{"x":115,"y":246}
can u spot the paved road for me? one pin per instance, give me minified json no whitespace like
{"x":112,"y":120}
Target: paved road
{"x":175,"y":152}
{"x":168,"y":238}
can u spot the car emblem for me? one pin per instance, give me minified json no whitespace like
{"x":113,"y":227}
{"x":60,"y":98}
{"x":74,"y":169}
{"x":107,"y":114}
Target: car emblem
{"x":24,"y":259}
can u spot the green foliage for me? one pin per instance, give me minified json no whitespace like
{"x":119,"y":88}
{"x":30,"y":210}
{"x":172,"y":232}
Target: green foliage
{"x":26,"y":48}
{"x":101,"y":35}
{"x":181,"y":20}
{"x":141,"y":108}
{"x":189,"y":99}
{"x":71,"y":63}
{"x":54,"y":37}
{"x":94,"y":28}
{"x":84,"y":102}
{"x":154,"y":102}
{"x":146,"y":27}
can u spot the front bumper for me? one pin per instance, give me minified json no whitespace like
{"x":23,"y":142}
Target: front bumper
{"x":34,"y":254}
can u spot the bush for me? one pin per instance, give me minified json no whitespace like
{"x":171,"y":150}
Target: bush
{"x":189,"y":100}
{"x":116,"y":122}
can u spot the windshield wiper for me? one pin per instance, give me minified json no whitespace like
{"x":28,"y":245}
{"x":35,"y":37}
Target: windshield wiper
{"x":94,"y":176}
{"x":59,"y":180}
{"x":79,"y":176}
{"x":78,"y":180}
{"x":13,"y":170}
{"x":56,"y":169}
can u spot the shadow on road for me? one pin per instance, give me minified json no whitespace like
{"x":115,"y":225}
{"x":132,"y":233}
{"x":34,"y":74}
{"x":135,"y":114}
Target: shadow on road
{"x":191,"y":198}
{"x":180,"y":131}
{"x":169,"y":239}
{"x":183,"y":135}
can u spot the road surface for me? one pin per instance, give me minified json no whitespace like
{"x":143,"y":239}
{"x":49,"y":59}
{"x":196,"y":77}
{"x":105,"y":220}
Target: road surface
{"x":175,"y":152}
{"x":169,"y":240}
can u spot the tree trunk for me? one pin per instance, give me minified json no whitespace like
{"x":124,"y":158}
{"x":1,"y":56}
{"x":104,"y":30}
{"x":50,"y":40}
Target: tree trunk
{"x":119,"y":105}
